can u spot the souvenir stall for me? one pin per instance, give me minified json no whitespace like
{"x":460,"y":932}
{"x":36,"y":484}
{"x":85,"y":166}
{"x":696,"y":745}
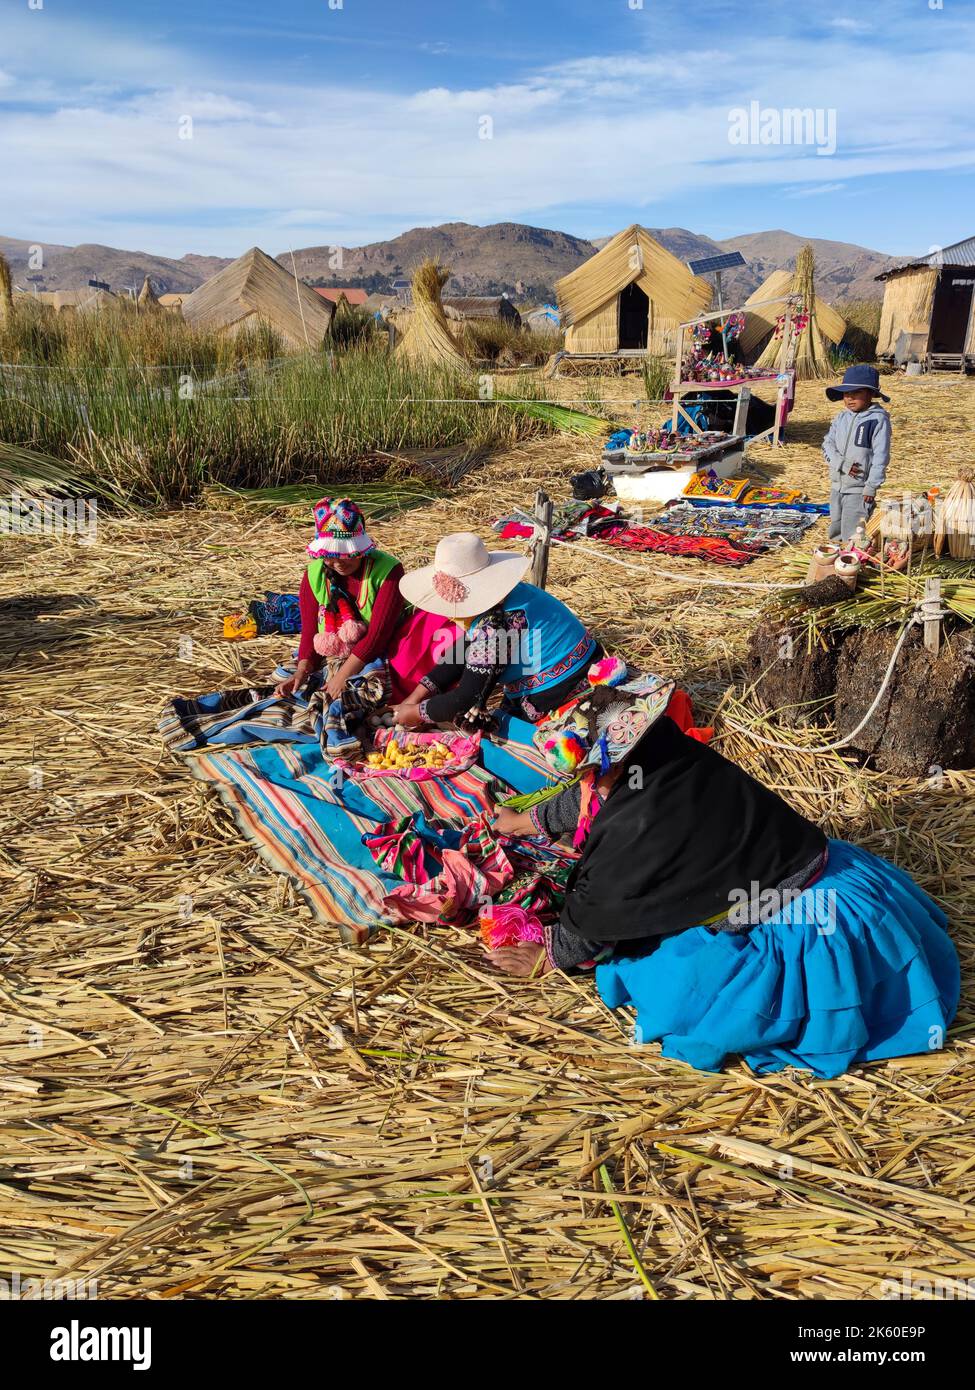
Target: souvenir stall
{"x":697,"y":364}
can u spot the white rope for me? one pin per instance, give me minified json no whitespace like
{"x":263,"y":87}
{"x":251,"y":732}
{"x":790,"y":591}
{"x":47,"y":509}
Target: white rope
{"x":840,"y":743}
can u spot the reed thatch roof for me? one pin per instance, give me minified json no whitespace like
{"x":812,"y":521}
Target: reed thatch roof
{"x":633,"y":256}
{"x":81,"y":301}
{"x":480,"y":306}
{"x":256,"y":287}
{"x":760,"y":322}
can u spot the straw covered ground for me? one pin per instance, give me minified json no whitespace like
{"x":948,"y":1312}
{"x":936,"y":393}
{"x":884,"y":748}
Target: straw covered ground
{"x":204,"y":1094}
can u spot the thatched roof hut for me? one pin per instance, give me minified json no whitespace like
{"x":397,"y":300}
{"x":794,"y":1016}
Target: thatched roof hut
{"x":75,"y":301}
{"x":496,"y":307}
{"x":256,"y":288}
{"x":631,"y":295}
{"x":931,"y":300}
{"x":173,"y":301}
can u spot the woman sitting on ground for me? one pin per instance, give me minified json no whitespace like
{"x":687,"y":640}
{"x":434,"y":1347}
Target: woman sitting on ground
{"x":518,"y":637}
{"x":352,"y":611}
{"x":729,"y":921}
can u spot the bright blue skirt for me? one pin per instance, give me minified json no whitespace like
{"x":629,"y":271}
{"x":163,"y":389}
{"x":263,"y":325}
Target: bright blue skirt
{"x":857,"y":968}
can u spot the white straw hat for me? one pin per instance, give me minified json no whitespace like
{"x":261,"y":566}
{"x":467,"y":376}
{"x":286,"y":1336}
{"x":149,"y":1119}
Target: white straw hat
{"x":465,"y":578}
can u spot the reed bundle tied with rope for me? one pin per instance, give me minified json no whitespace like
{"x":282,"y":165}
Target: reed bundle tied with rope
{"x":428,"y":338}
{"x":801,"y":342}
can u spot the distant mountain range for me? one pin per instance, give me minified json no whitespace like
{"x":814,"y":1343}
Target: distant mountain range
{"x":522,"y":261}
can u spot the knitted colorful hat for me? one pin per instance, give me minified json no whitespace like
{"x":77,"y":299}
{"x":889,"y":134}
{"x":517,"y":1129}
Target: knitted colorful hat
{"x":340,"y":530}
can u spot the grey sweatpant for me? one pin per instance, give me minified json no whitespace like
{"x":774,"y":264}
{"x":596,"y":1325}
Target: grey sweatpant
{"x":846,"y":507}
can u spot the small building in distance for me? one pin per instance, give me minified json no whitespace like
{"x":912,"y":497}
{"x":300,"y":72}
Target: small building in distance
{"x":496,"y":307}
{"x":255,"y":288}
{"x":352,"y":295}
{"x":929,"y":309}
{"x":173,"y":301}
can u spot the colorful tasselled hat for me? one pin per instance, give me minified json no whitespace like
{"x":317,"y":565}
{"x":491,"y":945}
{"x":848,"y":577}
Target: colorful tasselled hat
{"x":603,"y":727}
{"x":339,"y":530}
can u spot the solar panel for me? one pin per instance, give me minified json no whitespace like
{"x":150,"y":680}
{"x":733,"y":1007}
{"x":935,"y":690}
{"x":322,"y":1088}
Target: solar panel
{"x":709,"y":263}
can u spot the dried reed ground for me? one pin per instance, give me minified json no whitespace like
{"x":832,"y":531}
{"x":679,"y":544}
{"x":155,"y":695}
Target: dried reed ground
{"x":205,"y":1095}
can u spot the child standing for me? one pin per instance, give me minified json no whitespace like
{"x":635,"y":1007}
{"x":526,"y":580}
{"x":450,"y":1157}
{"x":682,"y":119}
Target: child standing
{"x":857,"y":450}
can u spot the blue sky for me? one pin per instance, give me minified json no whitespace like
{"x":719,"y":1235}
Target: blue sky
{"x":338,"y":122}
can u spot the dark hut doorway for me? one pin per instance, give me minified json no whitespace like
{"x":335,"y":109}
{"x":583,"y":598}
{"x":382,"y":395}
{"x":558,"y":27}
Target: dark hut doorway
{"x":952,"y":309}
{"x":634,"y":317}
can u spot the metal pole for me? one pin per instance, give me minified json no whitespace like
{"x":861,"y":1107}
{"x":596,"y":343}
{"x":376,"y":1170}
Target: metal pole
{"x":724,"y":335}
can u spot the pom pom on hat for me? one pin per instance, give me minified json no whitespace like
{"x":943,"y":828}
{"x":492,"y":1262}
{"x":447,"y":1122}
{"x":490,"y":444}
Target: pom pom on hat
{"x":611,"y":670}
{"x":565,"y":750}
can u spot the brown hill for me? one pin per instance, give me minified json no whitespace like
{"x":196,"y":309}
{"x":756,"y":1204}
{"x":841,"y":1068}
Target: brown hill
{"x":484,"y":260}
{"x":71,"y":267}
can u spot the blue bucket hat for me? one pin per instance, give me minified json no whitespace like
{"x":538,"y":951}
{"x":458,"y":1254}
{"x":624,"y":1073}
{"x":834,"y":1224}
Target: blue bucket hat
{"x":861,"y":378}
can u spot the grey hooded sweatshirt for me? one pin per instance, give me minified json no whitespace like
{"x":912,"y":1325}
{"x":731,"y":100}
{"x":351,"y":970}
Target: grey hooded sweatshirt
{"x":857,"y":449}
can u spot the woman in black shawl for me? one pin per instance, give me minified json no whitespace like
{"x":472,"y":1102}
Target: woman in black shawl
{"x":731,"y":922}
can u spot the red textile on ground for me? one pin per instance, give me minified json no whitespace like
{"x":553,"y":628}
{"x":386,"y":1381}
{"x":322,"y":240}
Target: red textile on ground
{"x":714,"y":548}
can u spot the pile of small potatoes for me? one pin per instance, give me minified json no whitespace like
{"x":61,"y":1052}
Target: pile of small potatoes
{"x":396,"y":756}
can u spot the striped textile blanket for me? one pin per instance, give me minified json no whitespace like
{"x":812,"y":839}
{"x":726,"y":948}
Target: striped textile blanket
{"x":306,"y":820}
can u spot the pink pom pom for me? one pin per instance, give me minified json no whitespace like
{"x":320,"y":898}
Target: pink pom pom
{"x":611,"y":670}
{"x":329,"y":644}
{"x":352,"y":631}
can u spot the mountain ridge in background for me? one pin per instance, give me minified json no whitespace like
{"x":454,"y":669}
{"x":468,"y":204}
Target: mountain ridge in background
{"x":505,"y":257}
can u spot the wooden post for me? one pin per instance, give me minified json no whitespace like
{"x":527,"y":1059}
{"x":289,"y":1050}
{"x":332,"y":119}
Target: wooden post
{"x":542,"y":539}
{"x":932,"y":610}
{"x":741,"y":410}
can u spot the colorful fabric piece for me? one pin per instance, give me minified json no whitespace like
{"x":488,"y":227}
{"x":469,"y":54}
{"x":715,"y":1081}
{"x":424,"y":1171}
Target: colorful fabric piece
{"x":481,"y":866}
{"x":307,"y":822}
{"x":817,"y":508}
{"x":717,"y":549}
{"x":766,"y":526}
{"x":706,"y":483}
{"x":857,"y":968}
{"x":505,"y":924}
{"x":276,"y":613}
{"x":239,"y":627}
{"x":338,"y":723}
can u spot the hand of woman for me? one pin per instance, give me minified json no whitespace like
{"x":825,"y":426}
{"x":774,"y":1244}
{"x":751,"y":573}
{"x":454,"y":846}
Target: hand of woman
{"x":526,"y":959}
{"x":293,"y":684}
{"x":508,"y":822}
{"x":335,"y":685}
{"x":407,"y":716}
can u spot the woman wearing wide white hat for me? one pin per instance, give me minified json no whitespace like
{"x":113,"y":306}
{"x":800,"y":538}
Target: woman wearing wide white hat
{"x":518,"y":637}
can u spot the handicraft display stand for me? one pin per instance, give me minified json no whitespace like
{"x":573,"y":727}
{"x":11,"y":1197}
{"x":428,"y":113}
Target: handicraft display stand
{"x":785,"y":381}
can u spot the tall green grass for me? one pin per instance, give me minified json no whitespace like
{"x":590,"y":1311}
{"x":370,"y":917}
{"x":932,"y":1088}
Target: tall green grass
{"x":157,"y":411}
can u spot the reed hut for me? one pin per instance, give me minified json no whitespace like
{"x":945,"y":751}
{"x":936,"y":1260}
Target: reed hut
{"x":929,"y":309}
{"x":493,"y":308}
{"x":254,"y":288}
{"x":629,"y":298}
